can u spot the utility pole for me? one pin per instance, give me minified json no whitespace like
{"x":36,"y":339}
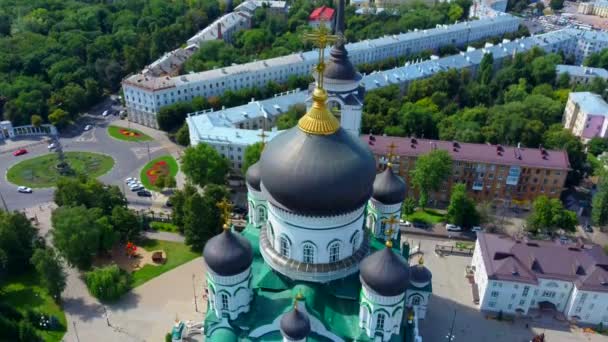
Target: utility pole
{"x":194,"y":294}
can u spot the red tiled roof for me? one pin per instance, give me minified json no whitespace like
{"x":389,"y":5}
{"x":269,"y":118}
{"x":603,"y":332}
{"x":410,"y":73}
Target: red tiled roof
{"x":526,"y":261}
{"x":322,"y":13}
{"x":481,"y":153}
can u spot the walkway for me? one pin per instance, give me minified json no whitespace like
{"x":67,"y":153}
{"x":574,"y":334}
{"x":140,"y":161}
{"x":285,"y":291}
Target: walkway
{"x":165,"y":236}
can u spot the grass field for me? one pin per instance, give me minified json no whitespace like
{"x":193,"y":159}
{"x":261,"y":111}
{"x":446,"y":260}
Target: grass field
{"x":171,"y":163}
{"x":164,"y":227}
{"x":428,"y":215}
{"x":137,"y":136}
{"x":177,"y":254}
{"x":40,"y":172}
{"x":25,"y":293}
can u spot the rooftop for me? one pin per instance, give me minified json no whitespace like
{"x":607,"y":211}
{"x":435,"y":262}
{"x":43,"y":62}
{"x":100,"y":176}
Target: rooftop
{"x":322,"y":13}
{"x":590,"y":103}
{"x":527,"y":261}
{"x":575,"y":70}
{"x":480,"y":153}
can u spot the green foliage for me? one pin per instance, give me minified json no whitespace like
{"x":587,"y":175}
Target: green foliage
{"x":408,"y":207}
{"x":556,"y":4}
{"x":549,"y":215}
{"x":486,"y":68}
{"x":49,"y":266}
{"x":108,"y":283}
{"x":597,"y":146}
{"x":164,"y":227}
{"x":202,"y":220}
{"x":291,"y":116}
{"x":203,"y":165}
{"x":599,"y":207}
{"x":89,"y":193}
{"x":17,"y":236}
{"x":429,"y":173}
{"x":36,"y":120}
{"x":59,"y":118}
{"x":462,"y":211}
{"x":125,"y":223}
{"x":252,"y":155}
{"x":178,"y":202}
{"x":80,"y":233}
{"x":183,"y":135}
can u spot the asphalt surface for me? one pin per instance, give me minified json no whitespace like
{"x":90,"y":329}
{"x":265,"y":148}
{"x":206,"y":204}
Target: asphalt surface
{"x":129,"y":158}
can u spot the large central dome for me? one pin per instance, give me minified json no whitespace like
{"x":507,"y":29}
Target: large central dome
{"x":317,"y":174}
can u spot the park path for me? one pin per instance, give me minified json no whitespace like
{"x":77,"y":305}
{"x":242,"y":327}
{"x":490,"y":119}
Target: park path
{"x":165,"y":236}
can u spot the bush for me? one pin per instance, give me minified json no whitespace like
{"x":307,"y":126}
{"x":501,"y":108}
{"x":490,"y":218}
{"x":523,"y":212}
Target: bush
{"x":164,"y":226}
{"x":108,"y":283}
{"x":168,"y":337}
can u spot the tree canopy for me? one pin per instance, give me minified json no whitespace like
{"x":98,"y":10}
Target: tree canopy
{"x":430,"y":172}
{"x":203,"y":165}
{"x":49,"y":266}
{"x":252,"y":155}
{"x":17,"y":237}
{"x":462,"y":211}
{"x":549,"y":215}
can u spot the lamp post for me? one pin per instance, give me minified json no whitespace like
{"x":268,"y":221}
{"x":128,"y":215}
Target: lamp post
{"x":194,"y":294}
{"x":450,"y":336}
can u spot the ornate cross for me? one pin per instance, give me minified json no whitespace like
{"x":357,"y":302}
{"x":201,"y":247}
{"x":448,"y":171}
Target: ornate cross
{"x":321,"y":37}
{"x":226,"y":209}
{"x":391,"y":150}
{"x":389,"y":232}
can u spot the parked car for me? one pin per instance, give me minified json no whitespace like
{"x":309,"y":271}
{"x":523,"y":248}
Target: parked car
{"x":588,"y":228}
{"x":130,"y":179}
{"x":87,"y":127}
{"x":52,"y":146}
{"x":144,"y":193}
{"x":453,"y":228}
{"x":168,"y":204}
{"x":20,"y":152}
{"x":24,"y":189}
{"x":105,"y":113}
{"x":405,"y":223}
{"x":477,"y":229}
{"x":420,"y":225}
{"x":137,"y":188}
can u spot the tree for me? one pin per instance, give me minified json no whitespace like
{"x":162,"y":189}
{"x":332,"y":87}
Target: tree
{"x":108,"y":283}
{"x":563,"y":80}
{"x":252,"y":155}
{"x":59,"y":118}
{"x":455,"y":12}
{"x":556,"y":4}
{"x":429,"y":173}
{"x":597,"y":146}
{"x":599,"y":208}
{"x":486,"y":69}
{"x":36,"y":120}
{"x":549,"y":215}
{"x":408,"y":207}
{"x":17,"y":236}
{"x":183,"y":135}
{"x":203,"y":165}
{"x":462,"y":211}
{"x":80,"y":233}
{"x":90,"y":193}
{"x":49,"y":266}
{"x":125,"y":223}
{"x":556,"y":137}
{"x":201,"y":221}
{"x":178,"y":204}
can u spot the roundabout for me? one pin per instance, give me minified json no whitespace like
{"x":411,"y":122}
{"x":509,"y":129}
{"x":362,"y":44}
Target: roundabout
{"x":156,"y":168}
{"x":42,"y":171}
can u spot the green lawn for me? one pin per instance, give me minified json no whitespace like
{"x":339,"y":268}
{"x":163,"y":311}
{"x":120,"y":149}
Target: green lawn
{"x":164,"y":227}
{"x":170,"y":162}
{"x":24,"y":292}
{"x":177,"y":254}
{"x":138,"y":136}
{"x":40,"y":172}
{"x":428,"y":215}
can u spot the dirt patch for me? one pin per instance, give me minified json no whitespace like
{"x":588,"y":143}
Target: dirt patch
{"x":118,"y":256}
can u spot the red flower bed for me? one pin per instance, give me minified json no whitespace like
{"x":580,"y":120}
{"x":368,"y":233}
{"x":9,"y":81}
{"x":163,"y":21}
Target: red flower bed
{"x":129,"y":133}
{"x":159,"y":168}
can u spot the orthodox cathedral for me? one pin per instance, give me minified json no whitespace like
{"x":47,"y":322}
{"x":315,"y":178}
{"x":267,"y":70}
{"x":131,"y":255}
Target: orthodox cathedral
{"x":321,"y":257}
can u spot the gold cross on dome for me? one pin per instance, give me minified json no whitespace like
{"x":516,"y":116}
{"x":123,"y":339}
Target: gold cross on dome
{"x":391,"y":150}
{"x":389,"y":231}
{"x":226,"y":209}
{"x":321,"y":37}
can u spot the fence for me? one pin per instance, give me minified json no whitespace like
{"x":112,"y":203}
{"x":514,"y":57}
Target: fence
{"x":442,"y":250}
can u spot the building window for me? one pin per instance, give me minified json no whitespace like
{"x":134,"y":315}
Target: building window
{"x":578,"y":309}
{"x":380,"y":322}
{"x":355,"y":242}
{"x":522,"y":302}
{"x":494,"y":294}
{"x":309,"y":253}
{"x":224,"y":301}
{"x":513,"y":296}
{"x":525,"y":293}
{"x":549,"y":294}
{"x":261,"y":214}
{"x":334,"y":252}
{"x":492,"y":304}
{"x":416,"y":300}
{"x":284,"y":247}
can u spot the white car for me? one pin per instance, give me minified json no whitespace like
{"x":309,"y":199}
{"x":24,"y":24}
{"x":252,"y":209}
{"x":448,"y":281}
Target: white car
{"x":477,"y":229}
{"x":52,"y":146}
{"x":87,"y":127}
{"x":452,"y":228}
{"x":24,"y":189}
{"x":137,"y":188}
{"x":405,"y":223}
{"x":105,"y":113}
{"x":130,"y":180}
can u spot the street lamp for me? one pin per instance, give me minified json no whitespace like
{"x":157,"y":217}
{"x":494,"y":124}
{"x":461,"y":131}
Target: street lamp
{"x":194,"y":294}
{"x":450,"y":336}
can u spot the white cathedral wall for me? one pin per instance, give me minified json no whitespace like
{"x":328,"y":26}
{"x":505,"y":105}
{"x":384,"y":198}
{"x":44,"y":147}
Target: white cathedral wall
{"x":237,"y":289}
{"x":378,"y":212}
{"x":257,"y":207}
{"x":320,"y":232}
{"x":373,"y":305}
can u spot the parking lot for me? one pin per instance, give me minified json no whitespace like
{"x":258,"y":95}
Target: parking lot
{"x":452,"y":296}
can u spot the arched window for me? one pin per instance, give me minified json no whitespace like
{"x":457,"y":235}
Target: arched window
{"x":355,"y":242}
{"x":380,"y":321}
{"x":334,"y":252}
{"x":370,"y":222}
{"x":284,"y":245}
{"x":251,"y":211}
{"x":416,"y":300}
{"x":224,"y":301}
{"x":261,"y":213}
{"x":271,"y":236}
{"x":308,"y":253}
{"x":382,"y":229}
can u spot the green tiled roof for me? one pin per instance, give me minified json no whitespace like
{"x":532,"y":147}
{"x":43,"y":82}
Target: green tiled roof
{"x":336,"y":304}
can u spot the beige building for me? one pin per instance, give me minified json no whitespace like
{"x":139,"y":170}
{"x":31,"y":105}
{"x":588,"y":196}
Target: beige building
{"x":599,"y":8}
{"x":586,"y":115}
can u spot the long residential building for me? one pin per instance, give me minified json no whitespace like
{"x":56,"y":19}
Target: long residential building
{"x":586,"y":115}
{"x":145,"y":94}
{"x":517,"y":276}
{"x":581,"y":74}
{"x":506,"y":176}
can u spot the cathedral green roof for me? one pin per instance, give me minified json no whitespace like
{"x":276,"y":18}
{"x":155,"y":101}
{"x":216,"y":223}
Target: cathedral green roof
{"x":336,"y":304}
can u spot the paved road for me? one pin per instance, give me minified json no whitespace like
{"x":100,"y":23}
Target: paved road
{"x":129,"y":158}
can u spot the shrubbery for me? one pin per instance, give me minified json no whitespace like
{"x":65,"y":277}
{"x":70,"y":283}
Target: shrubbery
{"x":108,"y":283}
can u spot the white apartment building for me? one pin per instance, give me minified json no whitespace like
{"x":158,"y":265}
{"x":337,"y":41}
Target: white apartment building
{"x":146,"y":94}
{"x":515,"y":277}
{"x":599,"y":8}
{"x":224,"y":28}
{"x":581,"y":74}
{"x":586,"y":115}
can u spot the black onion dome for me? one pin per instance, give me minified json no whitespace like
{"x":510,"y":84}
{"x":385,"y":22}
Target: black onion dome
{"x":339,"y":67}
{"x":420,"y":274}
{"x":385,"y":272}
{"x":388,"y":187}
{"x":228,"y":253}
{"x":295,"y":325}
{"x":317,"y":175}
{"x":254,"y":176}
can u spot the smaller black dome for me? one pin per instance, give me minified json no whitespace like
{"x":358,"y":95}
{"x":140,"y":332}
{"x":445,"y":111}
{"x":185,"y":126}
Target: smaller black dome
{"x":295,"y":324}
{"x":339,"y":66}
{"x":388,"y":187}
{"x":254,"y":176}
{"x":228,"y":253}
{"x":420,"y":274}
{"x":385,"y":272}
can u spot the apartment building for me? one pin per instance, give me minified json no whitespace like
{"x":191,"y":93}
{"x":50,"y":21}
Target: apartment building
{"x":598,"y":8}
{"x":586,"y":115}
{"x":323,"y":14}
{"x":515,"y":276}
{"x":581,"y":74}
{"x":502,"y":175}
